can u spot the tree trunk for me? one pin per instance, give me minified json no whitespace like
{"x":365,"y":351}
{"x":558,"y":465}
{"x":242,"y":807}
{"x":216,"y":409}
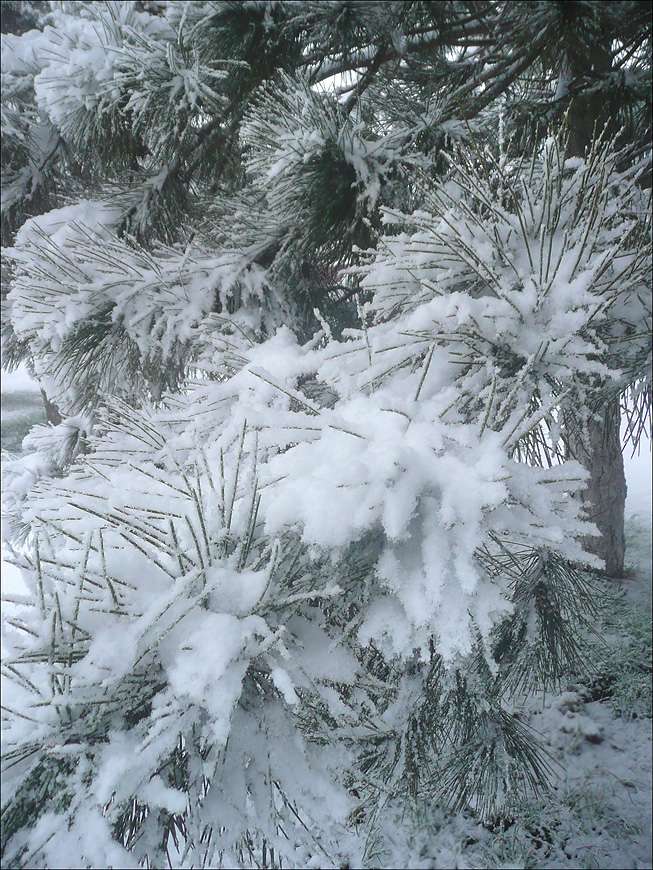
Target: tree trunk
{"x":599,"y":448}
{"x":599,"y":451}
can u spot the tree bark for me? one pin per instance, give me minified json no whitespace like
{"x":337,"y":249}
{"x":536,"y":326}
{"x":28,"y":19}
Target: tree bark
{"x":599,"y":451}
{"x":598,"y":448}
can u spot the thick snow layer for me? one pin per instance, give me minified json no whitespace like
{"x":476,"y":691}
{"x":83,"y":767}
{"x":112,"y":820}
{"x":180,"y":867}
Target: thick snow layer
{"x":597,"y":815}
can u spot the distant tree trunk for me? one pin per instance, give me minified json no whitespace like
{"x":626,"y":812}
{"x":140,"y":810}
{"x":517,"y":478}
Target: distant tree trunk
{"x":599,"y":448}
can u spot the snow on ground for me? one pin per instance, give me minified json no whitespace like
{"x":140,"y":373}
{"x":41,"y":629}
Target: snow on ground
{"x":22,"y":408}
{"x":598,"y":814}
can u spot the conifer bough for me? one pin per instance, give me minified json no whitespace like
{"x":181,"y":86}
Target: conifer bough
{"x":325,"y":295}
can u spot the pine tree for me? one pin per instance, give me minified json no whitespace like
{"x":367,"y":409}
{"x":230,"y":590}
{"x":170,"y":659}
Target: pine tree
{"x":317,"y":291}
{"x":601,"y":57}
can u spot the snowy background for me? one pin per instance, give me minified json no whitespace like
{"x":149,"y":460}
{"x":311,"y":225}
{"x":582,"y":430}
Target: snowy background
{"x":22,"y":407}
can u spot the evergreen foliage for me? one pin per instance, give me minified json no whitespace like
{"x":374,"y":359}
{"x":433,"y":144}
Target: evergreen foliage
{"x":316,"y":287}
